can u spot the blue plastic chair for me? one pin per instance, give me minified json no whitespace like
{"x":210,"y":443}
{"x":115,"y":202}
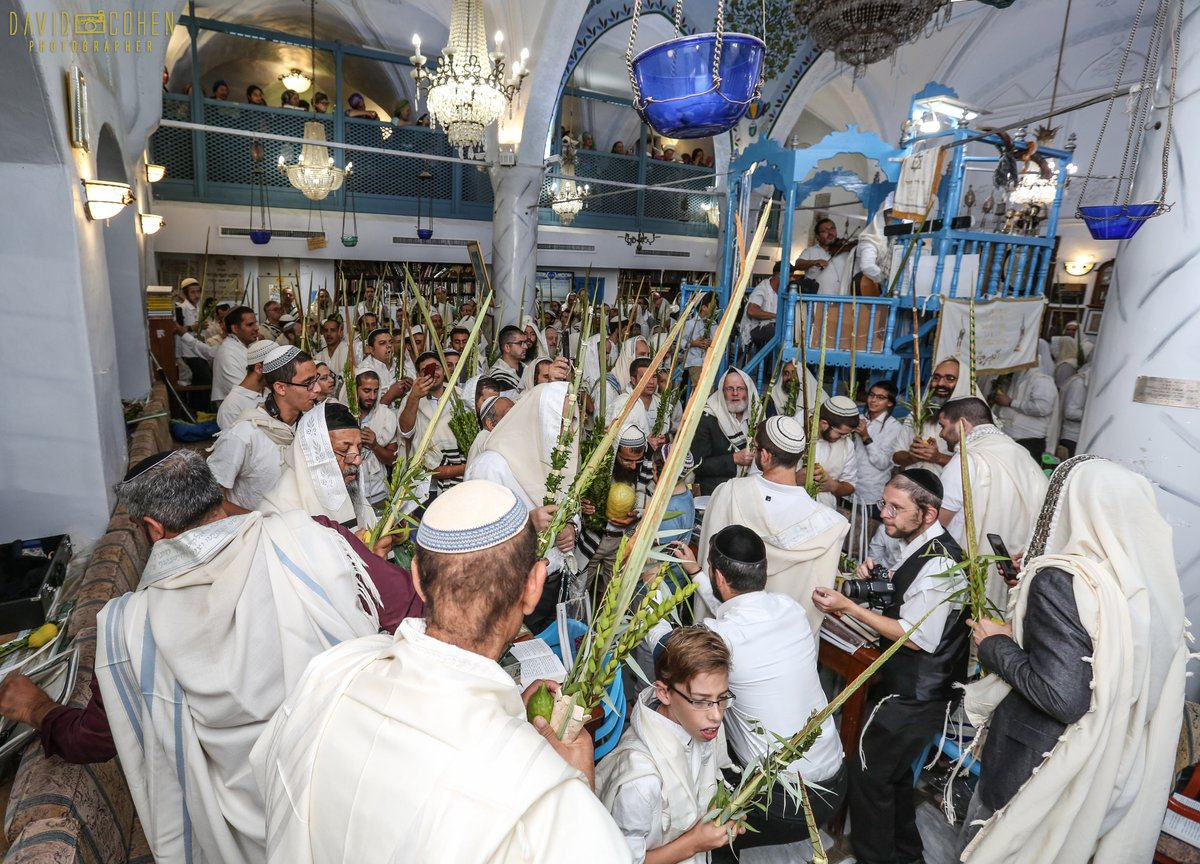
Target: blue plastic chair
{"x":948,"y":746}
{"x":613,"y":723}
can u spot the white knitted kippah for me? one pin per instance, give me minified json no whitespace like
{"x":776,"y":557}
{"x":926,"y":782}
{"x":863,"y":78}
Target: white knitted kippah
{"x":258,"y":351}
{"x":279,"y":357}
{"x":841,"y":406}
{"x":786,"y":433}
{"x":474,"y":515}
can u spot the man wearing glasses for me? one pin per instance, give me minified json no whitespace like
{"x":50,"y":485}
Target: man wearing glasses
{"x":248,"y":457}
{"x":916,"y":687}
{"x":513,"y":346}
{"x":773,"y":679}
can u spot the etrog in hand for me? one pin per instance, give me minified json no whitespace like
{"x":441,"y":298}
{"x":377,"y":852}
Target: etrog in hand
{"x":541,"y":704}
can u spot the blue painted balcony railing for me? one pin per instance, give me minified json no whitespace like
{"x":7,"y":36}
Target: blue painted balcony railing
{"x":211,"y":167}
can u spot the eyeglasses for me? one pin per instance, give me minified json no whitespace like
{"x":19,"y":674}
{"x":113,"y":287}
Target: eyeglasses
{"x":949,"y":379}
{"x":348,"y":455}
{"x":313,"y":383}
{"x":704,"y":704}
{"x":885,"y":507}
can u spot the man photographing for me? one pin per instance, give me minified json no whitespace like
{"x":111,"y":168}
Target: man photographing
{"x":910,"y":699}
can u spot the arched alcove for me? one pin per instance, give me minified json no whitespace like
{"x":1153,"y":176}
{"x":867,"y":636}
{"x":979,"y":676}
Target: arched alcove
{"x":123,"y":266}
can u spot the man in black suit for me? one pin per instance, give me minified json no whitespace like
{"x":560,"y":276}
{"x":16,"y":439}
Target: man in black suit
{"x":916,"y":686}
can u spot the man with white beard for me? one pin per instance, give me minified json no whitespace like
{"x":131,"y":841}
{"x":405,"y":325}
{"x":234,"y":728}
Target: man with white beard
{"x":721,"y":446}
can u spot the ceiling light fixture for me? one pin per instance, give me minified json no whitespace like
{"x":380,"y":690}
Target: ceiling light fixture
{"x":154,"y":172}
{"x":1079,"y":268}
{"x":105,"y":199}
{"x":314,"y":173}
{"x":296,"y":80}
{"x":467,"y":91}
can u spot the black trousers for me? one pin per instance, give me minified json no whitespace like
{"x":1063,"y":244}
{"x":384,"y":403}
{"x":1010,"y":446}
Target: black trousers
{"x":784,"y":822}
{"x":1035,"y":446}
{"x":1070,"y":445}
{"x":883,"y":816}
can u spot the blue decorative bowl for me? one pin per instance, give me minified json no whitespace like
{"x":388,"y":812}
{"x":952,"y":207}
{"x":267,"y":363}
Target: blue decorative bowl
{"x":681,"y":70}
{"x":425,"y":233}
{"x":1116,"y":222}
{"x":349,"y":239}
{"x":260,"y":238}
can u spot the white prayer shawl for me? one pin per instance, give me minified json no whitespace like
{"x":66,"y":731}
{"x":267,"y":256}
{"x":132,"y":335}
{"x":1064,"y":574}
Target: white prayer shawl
{"x":414,"y":750}
{"x":383,"y":422}
{"x":529,"y":374}
{"x":526,"y":436}
{"x":649,"y":748}
{"x":1007,"y":489}
{"x":625,"y":358}
{"x":735,"y":429}
{"x":930,"y":430}
{"x":443,"y":446}
{"x":543,"y":350}
{"x":313,"y":481}
{"x":336,"y":360}
{"x":1029,"y":384}
{"x":194,"y":663}
{"x":1101,"y":792}
{"x":816,"y":397}
{"x":800,"y":556}
{"x":832,"y":456}
{"x":590,"y":354}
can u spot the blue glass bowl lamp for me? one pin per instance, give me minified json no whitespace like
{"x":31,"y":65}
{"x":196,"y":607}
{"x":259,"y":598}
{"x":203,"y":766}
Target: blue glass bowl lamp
{"x":679,"y":98}
{"x":260,"y":237}
{"x":1117,"y":222}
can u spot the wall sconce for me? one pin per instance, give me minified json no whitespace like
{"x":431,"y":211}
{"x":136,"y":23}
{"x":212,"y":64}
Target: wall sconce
{"x":152,"y":223}
{"x":154,"y":172}
{"x":1079,"y":268}
{"x":104,"y":199}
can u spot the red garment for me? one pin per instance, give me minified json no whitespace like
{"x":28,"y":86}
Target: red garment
{"x":82,"y":735}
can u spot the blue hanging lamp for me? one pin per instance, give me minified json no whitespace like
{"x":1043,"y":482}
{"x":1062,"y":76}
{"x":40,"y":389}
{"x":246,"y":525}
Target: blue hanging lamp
{"x":695,"y":86}
{"x":261,"y":235}
{"x":1121,"y":219}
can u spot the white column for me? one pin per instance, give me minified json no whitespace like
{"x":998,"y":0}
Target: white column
{"x":515,"y":193}
{"x":1151,"y":327}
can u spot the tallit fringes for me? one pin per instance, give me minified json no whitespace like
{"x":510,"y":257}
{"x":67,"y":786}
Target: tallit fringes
{"x":862,"y":756}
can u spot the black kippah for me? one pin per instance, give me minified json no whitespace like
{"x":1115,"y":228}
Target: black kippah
{"x":739,"y":543}
{"x":146,"y":464}
{"x":338,"y":416}
{"x":926,"y":479}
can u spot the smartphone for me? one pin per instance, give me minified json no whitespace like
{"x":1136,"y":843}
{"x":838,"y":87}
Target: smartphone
{"x":1007,"y":568}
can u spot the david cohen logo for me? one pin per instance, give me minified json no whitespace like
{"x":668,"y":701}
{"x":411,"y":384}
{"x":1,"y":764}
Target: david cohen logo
{"x":98,"y":32}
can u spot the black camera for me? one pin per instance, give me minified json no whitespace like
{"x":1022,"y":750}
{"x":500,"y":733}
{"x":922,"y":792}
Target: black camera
{"x":875,"y":591}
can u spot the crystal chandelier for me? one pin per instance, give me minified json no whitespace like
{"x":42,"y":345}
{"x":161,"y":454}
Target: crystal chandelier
{"x":314,"y":173}
{"x":566,"y":195}
{"x":862,"y":32}
{"x":1032,"y":189}
{"x":467,"y":91}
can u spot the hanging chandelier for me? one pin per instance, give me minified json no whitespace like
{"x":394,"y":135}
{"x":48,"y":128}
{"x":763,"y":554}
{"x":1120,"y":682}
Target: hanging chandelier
{"x":566,"y":195}
{"x":295,"y":80}
{"x":1033,"y":189}
{"x":467,"y":91}
{"x":862,"y":32}
{"x":314,"y":173}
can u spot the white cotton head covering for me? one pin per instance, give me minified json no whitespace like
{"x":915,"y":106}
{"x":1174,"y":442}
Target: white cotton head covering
{"x":715,"y":405}
{"x":258,"y":351}
{"x":543,"y":350}
{"x":312,"y":436}
{"x":962,"y":387}
{"x":625,"y":357}
{"x":183,"y":286}
{"x":786,"y":433}
{"x":529,"y":373}
{"x":1065,"y":349}
{"x":469,"y":517}
{"x":526,"y":436}
{"x":816,"y":395}
{"x":1099,"y":793}
{"x":279,"y":356}
{"x":1045,"y":360}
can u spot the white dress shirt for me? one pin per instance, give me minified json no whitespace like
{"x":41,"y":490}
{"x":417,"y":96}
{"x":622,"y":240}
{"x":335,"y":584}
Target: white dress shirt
{"x":927,"y":591}
{"x":239,"y":399}
{"x":247,"y":463}
{"x":874,"y":461}
{"x":774,"y":679}
{"x":229,"y":367}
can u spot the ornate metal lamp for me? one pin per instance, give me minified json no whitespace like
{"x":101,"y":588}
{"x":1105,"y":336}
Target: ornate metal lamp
{"x":862,"y":32}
